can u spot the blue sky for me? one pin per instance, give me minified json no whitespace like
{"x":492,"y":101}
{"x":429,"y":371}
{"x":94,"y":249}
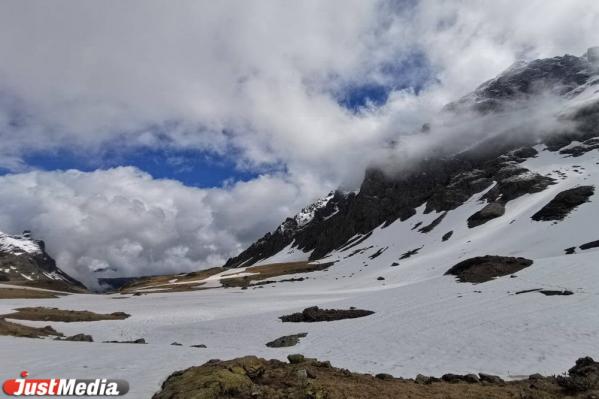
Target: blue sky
{"x":192,"y":168}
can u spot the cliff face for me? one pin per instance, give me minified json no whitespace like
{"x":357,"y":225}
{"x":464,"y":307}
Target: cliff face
{"x":24,"y":261}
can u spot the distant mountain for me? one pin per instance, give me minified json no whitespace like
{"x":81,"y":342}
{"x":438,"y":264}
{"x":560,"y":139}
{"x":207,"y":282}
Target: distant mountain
{"x":24,"y":261}
{"x":494,"y":169}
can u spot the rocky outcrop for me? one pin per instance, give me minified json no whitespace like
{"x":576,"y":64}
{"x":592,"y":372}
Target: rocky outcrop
{"x":301,"y":377}
{"x":486,"y":268}
{"x":315,"y":314}
{"x":564,"y":203}
{"x":286,"y":341}
{"x":24,"y":261}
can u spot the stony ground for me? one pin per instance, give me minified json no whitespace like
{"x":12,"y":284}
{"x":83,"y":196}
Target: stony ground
{"x":252,"y":377}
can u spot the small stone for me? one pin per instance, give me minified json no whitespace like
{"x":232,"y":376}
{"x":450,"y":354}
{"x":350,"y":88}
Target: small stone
{"x":176,"y":344}
{"x":80,"y":338}
{"x":198,"y":346}
{"x":380,"y":278}
{"x":295,"y":358}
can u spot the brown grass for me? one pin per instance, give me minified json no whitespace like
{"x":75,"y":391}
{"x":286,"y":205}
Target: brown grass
{"x":158,"y":284}
{"x":19,"y":330}
{"x":264,"y":272}
{"x":22,"y":293}
{"x":53,"y":285}
{"x":55,"y":314}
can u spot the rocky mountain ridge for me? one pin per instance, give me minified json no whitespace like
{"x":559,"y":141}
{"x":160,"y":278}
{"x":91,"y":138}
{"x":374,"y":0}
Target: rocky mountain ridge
{"x":24,"y":261}
{"x":443,"y":183}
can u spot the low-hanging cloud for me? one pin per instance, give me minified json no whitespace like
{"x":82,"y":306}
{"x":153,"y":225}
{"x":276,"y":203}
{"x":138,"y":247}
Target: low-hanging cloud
{"x":262,"y":80}
{"x":124,"y":222}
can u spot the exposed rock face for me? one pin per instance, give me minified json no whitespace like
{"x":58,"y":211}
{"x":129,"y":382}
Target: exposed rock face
{"x":490,"y":211}
{"x":24,"y":260}
{"x":315,"y":314}
{"x":446,"y":180}
{"x":485,"y":268}
{"x":563,"y":203}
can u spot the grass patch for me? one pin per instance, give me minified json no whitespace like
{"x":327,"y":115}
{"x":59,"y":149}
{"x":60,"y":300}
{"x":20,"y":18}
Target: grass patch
{"x":264,"y":272}
{"x":23,"y":293}
{"x":67,"y":316}
{"x":19,"y":330}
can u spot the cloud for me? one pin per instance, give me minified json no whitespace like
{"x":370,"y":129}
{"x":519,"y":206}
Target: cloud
{"x":265,"y":81}
{"x":123,"y":218}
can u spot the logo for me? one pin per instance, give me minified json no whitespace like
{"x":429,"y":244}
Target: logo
{"x":64,"y":387}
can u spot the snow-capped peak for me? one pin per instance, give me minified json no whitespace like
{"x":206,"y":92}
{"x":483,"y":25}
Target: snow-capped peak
{"x":306,"y":215}
{"x":19,"y":244}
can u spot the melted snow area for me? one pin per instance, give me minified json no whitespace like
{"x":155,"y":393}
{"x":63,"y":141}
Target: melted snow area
{"x":425,"y":322}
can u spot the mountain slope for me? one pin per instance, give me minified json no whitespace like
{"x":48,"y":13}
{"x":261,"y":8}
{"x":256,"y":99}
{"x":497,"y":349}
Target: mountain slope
{"x":445,"y":182}
{"x":24,"y":261}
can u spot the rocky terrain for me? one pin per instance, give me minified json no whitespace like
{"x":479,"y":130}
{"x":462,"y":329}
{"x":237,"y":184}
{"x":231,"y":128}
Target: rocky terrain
{"x":301,"y":378}
{"x":24,"y":261}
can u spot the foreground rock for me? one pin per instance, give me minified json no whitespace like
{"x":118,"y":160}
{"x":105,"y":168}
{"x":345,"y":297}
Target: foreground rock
{"x":67,"y":316}
{"x":564,"y":203}
{"x":315,"y":314}
{"x":286,"y":341}
{"x":252,"y":377}
{"x":485,"y":268}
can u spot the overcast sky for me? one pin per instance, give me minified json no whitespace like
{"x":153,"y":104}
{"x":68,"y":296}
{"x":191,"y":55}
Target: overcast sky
{"x":160,"y":136}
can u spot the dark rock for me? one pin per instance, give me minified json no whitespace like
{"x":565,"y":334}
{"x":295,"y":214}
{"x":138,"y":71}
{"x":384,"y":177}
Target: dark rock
{"x":380,"y":278}
{"x":584,"y":376}
{"x":296,"y":358}
{"x":471,"y":379}
{"x":315,"y":314}
{"x":485,"y":268}
{"x":433,"y":224}
{"x":556,"y":292}
{"x":202,"y":346}
{"x":377,"y":253}
{"x":570,"y":251}
{"x":527,"y":291}
{"x":176,"y":344}
{"x":447,"y":235}
{"x":452,"y":378}
{"x":492,"y":379}
{"x":384,"y":376}
{"x":490,"y":211}
{"x":135,"y":341}
{"x":563,"y":203}
{"x":589,"y":245}
{"x":410,"y":253}
{"x":80,"y":338}
{"x":287,"y":340}
{"x":394,"y":264}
